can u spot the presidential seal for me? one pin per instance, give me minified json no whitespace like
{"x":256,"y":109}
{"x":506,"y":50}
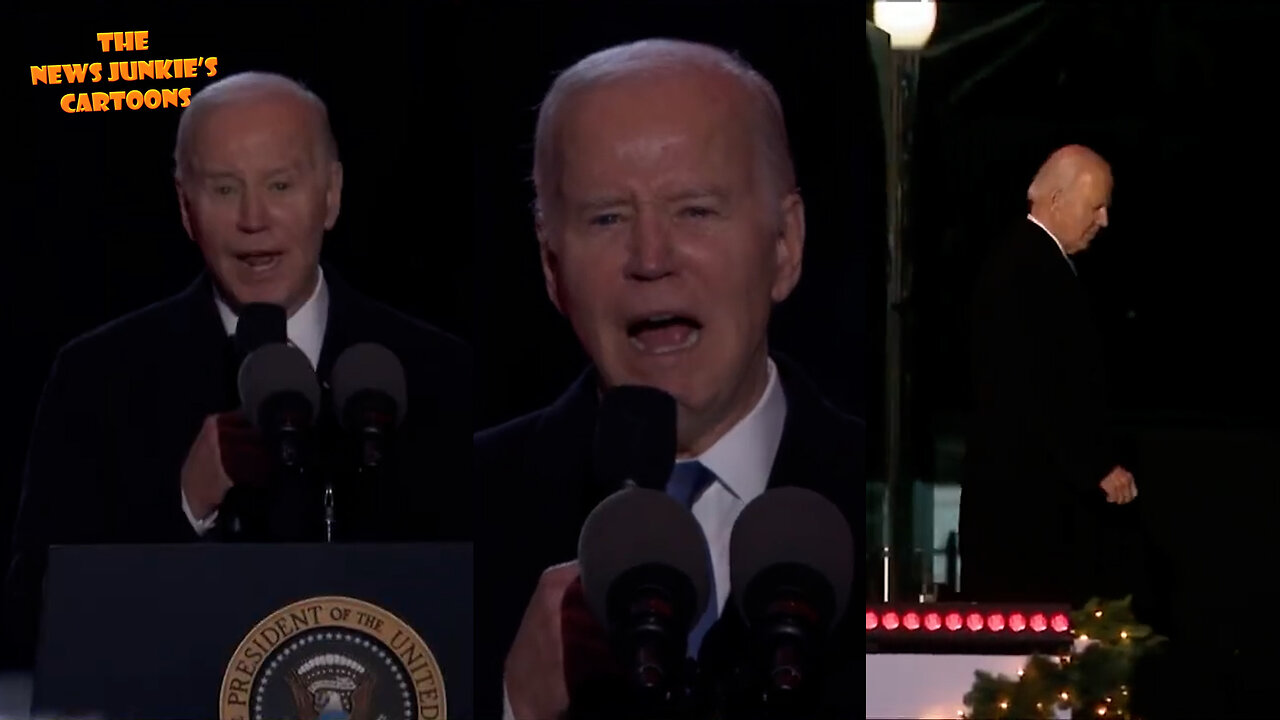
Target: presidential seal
{"x":332,"y":658}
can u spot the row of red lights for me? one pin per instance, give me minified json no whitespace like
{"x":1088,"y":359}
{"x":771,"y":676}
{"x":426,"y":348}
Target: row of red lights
{"x":954,"y":621}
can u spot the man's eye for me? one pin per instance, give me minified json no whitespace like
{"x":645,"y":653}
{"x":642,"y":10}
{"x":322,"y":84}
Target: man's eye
{"x":281,"y":185}
{"x":223,"y":189}
{"x":697,"y":211}
{"x":606,"y":219}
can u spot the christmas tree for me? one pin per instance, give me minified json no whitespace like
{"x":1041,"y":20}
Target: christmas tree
{"x":1092,"y":680}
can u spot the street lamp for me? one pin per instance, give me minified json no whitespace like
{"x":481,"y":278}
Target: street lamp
{"x":909,"y":23}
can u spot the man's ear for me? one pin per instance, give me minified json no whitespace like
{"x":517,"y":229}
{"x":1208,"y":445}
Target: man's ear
{"x":550,"y":261}
{"x":788,"y":246}
{"x":183,"y":207}
{"x":333,"y":195}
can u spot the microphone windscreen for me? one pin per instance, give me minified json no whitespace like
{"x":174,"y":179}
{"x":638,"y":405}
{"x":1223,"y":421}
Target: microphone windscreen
{"x":368,"y":367}
{"x":273,"y":369}
{"x":260,"y":324}
{"x":635,"y":437}
{"x":635,"y":527}
{"x":792,"y":525}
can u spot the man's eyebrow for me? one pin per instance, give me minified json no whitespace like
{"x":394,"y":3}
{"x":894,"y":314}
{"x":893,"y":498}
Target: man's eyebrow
{"x":292,"y":167}
{"x":599,"y":203}
{"x":698,"y":193}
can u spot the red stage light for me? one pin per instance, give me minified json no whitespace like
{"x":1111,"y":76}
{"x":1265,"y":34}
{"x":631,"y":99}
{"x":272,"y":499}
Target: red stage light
{"x":971,"y":622}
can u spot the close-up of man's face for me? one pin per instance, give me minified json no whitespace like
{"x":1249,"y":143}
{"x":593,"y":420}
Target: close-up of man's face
{"x":258,"y":192}
{"x":668,"y":241}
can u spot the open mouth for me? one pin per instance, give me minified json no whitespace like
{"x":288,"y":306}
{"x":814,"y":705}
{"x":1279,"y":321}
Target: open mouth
{"x":663,"y":334}
{"x":260,"y":260}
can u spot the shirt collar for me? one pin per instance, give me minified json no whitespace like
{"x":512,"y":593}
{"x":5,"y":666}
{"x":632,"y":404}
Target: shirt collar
{"x":743,"y":457}
{"x":305,"y":328}
{"x":1056,"y":241}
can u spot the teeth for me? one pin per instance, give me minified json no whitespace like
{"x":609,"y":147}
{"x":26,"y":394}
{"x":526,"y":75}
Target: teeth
{"x":259,"y":260}
{"x":661,"y":318}
{"x":689,"y":342}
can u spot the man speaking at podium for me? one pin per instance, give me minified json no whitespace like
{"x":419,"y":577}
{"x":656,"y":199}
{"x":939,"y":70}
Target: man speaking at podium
{"x":669,"y":224}
{"x":137,"y":440}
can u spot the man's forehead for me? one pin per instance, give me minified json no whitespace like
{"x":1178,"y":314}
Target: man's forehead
{"x":264,"y":108}
{"x":644,"y":127}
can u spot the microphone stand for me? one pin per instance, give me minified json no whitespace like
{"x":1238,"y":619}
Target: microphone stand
{"x":290,"y":444}
{"x":367,"y":448}
{"x":328,"y":510}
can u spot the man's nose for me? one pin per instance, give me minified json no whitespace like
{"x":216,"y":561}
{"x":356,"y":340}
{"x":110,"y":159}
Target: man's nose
{"x":253,"y":213}
{"x":651,"y":255}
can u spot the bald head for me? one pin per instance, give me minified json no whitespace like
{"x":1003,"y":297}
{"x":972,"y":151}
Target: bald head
{"x":1070,"y":196}
{"x":250,"y":88}
{"x":662,"y":59}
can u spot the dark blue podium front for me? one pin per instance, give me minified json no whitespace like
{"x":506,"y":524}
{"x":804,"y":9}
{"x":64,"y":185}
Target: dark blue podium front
{"x":207,"y":630}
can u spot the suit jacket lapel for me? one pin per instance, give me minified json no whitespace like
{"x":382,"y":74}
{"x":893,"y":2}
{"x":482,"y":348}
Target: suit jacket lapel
{"x":205,"y":347}
{"x":340,"y":330}
{"x":561,"y":454}
{"x":811,"y":440}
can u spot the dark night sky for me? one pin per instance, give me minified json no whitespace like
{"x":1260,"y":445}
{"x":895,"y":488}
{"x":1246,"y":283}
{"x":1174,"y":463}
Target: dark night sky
{"x":1176,"y":98}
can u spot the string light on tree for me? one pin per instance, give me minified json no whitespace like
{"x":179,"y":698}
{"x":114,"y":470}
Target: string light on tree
{"x":1091,"y":680}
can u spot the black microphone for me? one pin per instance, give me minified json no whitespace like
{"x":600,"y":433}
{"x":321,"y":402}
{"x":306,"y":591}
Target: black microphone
{"x":280,"y":397}
{"x":791,"y":567}
{"x":646,"y":579}
{"x":370,"y":396}
{"x":259,"y":324}
{"x":635,"y":437}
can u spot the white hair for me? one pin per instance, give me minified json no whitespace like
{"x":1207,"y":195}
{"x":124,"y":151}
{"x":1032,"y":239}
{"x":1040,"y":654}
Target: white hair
{"x":658,"y":57}
{"x":239,"y":87}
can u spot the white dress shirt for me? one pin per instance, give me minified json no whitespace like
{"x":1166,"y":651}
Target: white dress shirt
{"x":305,"y":330}
{"x":1056,"y":241}
{"x":741,"y":460}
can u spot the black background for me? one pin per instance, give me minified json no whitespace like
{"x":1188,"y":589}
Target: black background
{"x":433,"y":106}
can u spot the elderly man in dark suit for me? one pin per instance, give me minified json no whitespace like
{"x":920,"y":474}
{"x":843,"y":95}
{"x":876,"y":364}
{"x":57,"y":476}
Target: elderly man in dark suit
{"x":137,"y":438}
{"x":669,"y":225}
{"x":1041,"y":464}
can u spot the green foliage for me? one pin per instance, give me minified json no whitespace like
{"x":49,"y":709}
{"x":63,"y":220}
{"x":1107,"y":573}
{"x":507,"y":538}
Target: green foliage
{"x":1095,"y":676}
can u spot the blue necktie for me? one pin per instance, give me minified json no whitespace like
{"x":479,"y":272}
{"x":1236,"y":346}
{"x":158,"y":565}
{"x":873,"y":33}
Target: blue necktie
{"x":687,"y":482}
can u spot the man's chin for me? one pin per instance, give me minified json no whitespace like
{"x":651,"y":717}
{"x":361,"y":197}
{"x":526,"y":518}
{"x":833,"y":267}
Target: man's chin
{"x":239,"y":296}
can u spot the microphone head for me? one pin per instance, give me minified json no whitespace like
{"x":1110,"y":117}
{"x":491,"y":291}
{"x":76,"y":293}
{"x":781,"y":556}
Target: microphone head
{"x":259,"y":324}
{"x":272,"y":370}
{"x":791,"y":526}
{"x":368,"y":368}
{"x":637,"y":527}
{"x":635,"y":437}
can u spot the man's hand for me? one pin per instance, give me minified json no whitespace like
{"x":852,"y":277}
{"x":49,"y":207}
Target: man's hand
{"x":204,"y":480}
{"x":534,"y":673}
{"x":227,"y":451}
{"x":1119,"y":486}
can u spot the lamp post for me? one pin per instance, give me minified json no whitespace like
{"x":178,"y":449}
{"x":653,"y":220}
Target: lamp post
{"x":909,"y":24}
